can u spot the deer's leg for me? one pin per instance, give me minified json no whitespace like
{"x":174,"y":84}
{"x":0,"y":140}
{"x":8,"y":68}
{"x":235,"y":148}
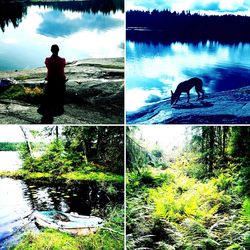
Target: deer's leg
{"x":203,"y":92}
{"x":198,"y":93}
{"x":188,"y":95}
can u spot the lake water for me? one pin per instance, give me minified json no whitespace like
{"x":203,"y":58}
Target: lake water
{"x":9,"y":161}
{"x":152,"y":70}
{"x":81,"y":29}
{"x":18,"y":199}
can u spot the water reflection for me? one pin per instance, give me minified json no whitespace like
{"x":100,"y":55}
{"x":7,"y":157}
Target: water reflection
{"x":18,"y":199}
{"x":56,"y":23}
{"x":93,"y":6}
{"x":153,"y":70}
{"x":14,"y":12}
{"x":11,"y":13}
{"x":10,"y":161}
{"x":79,"y":36}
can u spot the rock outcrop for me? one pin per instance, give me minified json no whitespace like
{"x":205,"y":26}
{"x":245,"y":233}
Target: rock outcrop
{"x":227,"y":107}
{"x":94,"y":94}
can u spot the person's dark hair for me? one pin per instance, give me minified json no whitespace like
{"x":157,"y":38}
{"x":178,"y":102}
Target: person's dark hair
{"x":54,"y":48}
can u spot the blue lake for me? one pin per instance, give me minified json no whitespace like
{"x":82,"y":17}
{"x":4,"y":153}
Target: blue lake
{"x":80,"y":34}
{"x":152,"y":71}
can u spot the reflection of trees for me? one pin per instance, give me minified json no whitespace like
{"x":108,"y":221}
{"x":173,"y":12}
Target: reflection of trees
{"x":93,"y":6}
{"x":11,"y":13}
{"x":165,"y":26}
{"x":14,"y":12}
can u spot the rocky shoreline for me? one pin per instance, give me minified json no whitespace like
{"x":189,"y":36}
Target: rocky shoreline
{"x":94,"y":93}
{"x":226,"y":107}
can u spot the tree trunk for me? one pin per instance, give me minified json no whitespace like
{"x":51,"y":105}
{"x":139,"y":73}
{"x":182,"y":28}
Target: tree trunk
{"x":27,"y":141}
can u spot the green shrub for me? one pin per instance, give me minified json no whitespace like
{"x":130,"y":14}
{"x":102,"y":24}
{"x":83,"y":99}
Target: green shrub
{"x":246,"y":210}
{"x":186,"y":200}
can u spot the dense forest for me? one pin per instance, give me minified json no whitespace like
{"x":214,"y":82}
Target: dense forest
{"x":166,"y":26}
{"x":75,"y":148}
{"x":196,"y":198}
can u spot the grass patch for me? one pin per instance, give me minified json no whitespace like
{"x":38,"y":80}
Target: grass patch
{"x":93,"y":176}
{"x":109,"y":237}
{"x":13,"y":92}
{"x":71,"y":176}
{"x":18,"y":92}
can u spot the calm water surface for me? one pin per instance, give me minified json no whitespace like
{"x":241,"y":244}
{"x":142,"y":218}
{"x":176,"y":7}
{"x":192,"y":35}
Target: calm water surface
{"x":18,"y":199}
{"x":153,"y":70}
{"x":9,"y":161}
{"x":79,"y":34}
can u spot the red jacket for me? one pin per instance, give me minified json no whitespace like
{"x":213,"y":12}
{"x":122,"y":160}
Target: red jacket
{"x":55,"y":66}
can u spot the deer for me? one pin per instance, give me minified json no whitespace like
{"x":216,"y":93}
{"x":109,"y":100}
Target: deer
{"x":186,"y":86}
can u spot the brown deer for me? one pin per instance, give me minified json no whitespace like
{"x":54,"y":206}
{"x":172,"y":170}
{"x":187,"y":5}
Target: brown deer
{"x":185,"y":87}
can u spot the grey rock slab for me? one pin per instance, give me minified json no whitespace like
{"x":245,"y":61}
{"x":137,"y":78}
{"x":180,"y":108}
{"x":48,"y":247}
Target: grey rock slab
{"x":231,"y":106}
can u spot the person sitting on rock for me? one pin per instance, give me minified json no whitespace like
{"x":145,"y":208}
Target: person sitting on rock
{"x":53,"y":101}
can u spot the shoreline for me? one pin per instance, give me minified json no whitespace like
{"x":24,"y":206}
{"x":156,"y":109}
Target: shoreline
{"x":75,"y":176}
{"x":231,"y":106}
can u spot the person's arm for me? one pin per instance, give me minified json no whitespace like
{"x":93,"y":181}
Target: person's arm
{"x":47,"y":62}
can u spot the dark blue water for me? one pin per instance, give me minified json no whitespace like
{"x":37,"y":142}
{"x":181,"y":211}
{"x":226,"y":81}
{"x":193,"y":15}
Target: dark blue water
{"x":79,"y":34}
{"x":152,"y":71}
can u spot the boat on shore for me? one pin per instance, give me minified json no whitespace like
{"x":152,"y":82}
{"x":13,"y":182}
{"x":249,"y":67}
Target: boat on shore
{"x":68,"y":222}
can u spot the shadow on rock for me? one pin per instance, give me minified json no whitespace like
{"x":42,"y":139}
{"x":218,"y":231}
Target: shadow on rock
{"x":202,"y":104}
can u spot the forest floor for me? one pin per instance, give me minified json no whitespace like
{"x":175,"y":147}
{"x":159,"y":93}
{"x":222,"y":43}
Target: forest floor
{"x":94,"y":93}
{"x":226,"y":107}
{"x":172,"y":209}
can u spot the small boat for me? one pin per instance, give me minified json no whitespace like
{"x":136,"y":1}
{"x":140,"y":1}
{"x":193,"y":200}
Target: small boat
{"x":68,"y":222}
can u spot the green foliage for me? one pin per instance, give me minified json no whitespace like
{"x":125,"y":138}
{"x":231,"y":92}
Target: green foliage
{"x":71,"y":176}
{"x":198,"y":204}
{"x":13,"y":92}
{"x":93,"y":176}
{"x":149,"y":177}
{"x":187,"y":199}
{"x":9,"y":146}
{"x":246,"y":210}
{"x":137,"y":157}
{"x":157,"y":152}
{"x":104,"y":145}
{"x":224,"y":181}
{"x":235,"y":246}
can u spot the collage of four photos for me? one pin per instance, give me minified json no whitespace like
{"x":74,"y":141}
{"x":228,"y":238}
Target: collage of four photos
{"x":124,"y":124}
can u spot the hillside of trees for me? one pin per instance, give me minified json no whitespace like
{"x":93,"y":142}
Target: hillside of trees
{"x":166,"y":26}
{"x":198,"y":200}
{"x":75,"y":148}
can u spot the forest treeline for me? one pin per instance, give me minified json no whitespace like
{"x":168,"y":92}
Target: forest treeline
{"x":9,"y":146}
{"x":77,"y":149}
{"x":166,"y":26}
{"x":93,"y":6}
{"x":198,"y":199}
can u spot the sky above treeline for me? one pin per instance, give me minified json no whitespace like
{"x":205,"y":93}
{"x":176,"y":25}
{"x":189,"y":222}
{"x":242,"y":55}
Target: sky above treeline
{"x":241,"y":7}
